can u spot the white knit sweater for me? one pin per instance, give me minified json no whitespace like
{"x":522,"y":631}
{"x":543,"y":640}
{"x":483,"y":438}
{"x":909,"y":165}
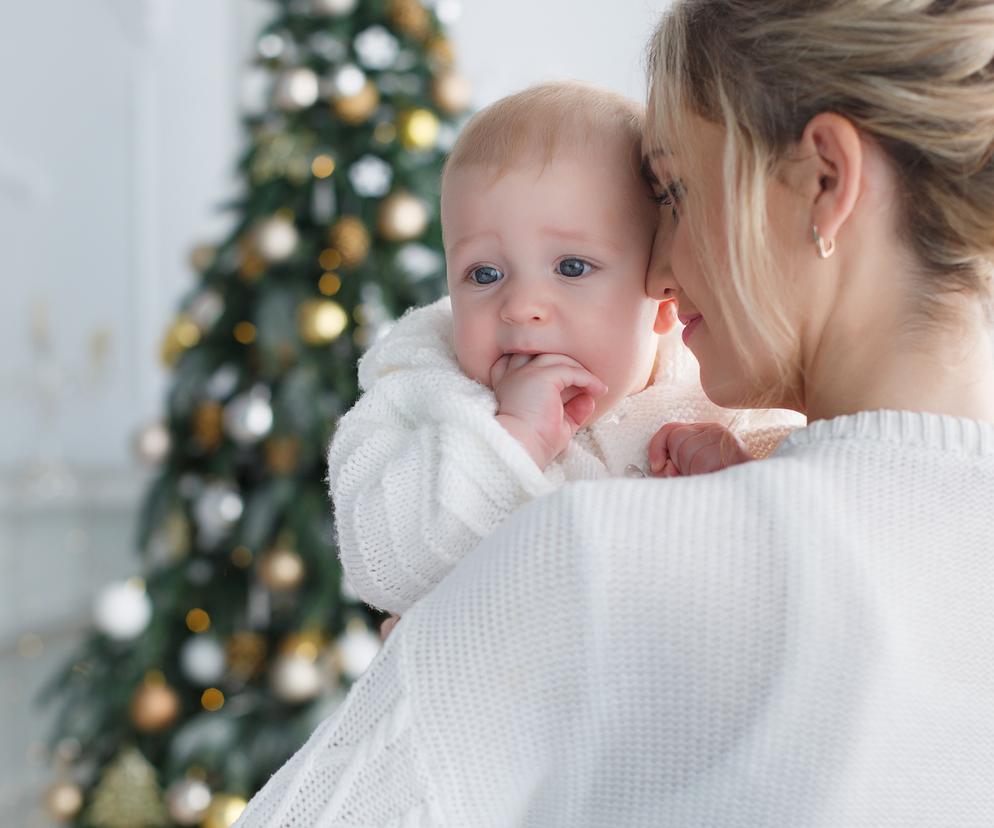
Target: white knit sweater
{"x":804,"y":642}
{"x":420,"y":470}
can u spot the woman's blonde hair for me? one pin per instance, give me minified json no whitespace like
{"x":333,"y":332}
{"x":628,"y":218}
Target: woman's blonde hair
{"x":915,"y":75}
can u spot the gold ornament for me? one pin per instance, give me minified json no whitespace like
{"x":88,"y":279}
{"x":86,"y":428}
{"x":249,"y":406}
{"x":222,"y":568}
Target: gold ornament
{"x":451,"y":92}
{"x":251,"y":264}
{"x":350,"y":238}
{"x":182,"y":335}
{"x":246,"y":652}
{"x":418,"y":129}
{"x":64,"y":799}
{"x":321,"y":321}
{"x":358,"y":108}
{"x":154,"y":706}
{"x":281,"y":569}
{"x":223,"y":811}
{"x":440,"y":51}
{"x":208,"y":421}
{"x":127,"y":795}
{"x":202,"y":257}
{"x":282,"y":454}
{"x":411,"y":18}
{"x":402,"y":217}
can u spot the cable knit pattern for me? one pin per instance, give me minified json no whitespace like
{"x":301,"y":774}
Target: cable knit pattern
{"x":807,"y":642}
{"x":420,"y":470}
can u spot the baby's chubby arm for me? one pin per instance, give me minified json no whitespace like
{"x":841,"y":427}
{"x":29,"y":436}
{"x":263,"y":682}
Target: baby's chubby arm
{"x":543,"y":400}
{"x":420,"y":470}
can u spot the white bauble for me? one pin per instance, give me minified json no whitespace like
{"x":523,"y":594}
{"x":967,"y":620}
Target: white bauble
{"x":187,"y":801}
{"x":296,"y":89}
{"x":334,"y":8}
{"x":295,"y":679}
{"x":356,"y":649}
{"x":276,"y":238}
{"x":249,"y":416}
{"x":202,"y":659}
{"x":122,"y":610}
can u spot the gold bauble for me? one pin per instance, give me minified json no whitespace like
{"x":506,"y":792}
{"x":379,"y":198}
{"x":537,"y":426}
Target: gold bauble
{"x":281,"y":569}
{"x":357,"y":109}
{"x":251,"y":264}
{"x":246,"y":652}
{"x":321,"y":321}
{"x":440,"y":50}
{"x":402,"y":217}
{"x":350,"y":238}
{"x":154,"y":706}
{"x":202,"y":257}
{"x":418,"y":129}
{"x":208,"y":422}
{"x":182,"y":335}
{"x":282,"y":454}
{"x":451,"y":92}
{"x":410,"y":17}
{"x":224,"y":810}
{"x":64,"y":799}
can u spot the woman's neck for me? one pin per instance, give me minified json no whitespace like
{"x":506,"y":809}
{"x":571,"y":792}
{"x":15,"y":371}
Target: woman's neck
{"x":943,"y":368}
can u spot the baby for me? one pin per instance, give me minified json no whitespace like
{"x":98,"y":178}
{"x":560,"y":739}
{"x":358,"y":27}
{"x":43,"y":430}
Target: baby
{"x":546,"y":363}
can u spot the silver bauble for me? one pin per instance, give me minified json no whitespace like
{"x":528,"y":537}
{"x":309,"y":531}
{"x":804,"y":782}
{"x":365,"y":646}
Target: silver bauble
{"x":122,"y":610}
{"x":295,"y":679}
{"x":376,"y":48}
{"x":334,"y":8}
{"x":152,"y":443}
{"x":371,"y":176}
{"x":187,"y":801}
{"x":349,"y":81}
{"x":202,"y":660}
{"x":216,"y":509}
{"x":356,"y":649}
{"x":249,"y":416}
{"x":276,"y":238}
{"x":296,"y":89}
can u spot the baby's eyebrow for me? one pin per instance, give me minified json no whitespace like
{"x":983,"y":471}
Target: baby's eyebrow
{"x":474,"y":237}
{"x":573,"y":235}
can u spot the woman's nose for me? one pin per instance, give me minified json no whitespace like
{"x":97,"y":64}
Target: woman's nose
{"x":659,"y":281}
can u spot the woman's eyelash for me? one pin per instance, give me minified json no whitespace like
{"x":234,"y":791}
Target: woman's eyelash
{"x":671,"y":195}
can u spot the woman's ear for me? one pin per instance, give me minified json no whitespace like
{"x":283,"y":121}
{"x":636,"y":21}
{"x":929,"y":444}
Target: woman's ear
{"x":833,"y":145}
{"x":666,"y":317}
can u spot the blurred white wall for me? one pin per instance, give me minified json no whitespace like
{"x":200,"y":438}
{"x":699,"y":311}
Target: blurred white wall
{"x":119,"y":135}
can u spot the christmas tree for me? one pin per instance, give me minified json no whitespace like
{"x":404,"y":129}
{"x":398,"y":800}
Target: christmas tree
{"x":203,"y":674}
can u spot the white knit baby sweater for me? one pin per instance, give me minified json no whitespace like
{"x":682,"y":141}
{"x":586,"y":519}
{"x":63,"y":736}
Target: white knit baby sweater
{"x":803,"y":642}
{"x":420,"y":470}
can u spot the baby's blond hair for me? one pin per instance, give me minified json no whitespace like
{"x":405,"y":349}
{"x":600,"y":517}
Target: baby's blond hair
{"x":540,"y":123}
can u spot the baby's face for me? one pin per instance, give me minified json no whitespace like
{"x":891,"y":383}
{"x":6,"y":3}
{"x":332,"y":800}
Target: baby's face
{"x":552,"y":260}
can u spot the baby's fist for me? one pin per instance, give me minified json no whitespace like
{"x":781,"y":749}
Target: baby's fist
{"x":684,"y":449}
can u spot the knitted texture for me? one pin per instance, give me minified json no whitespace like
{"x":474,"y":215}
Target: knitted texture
{"x":420,"y":470}
{"x":806,"y":641}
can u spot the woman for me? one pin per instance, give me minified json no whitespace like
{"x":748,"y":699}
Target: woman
{"x":802,"y":641}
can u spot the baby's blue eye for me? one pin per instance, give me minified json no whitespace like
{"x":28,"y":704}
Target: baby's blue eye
{"x":574,"y":267}
{"x":485,"y":275}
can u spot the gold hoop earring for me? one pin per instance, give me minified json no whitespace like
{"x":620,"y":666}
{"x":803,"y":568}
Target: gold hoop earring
{"x":824,"y":249}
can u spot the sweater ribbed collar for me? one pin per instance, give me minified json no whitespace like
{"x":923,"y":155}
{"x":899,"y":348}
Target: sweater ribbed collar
{"x":911,"y":428}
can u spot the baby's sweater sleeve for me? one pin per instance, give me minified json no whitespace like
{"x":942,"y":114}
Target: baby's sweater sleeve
{"x":419,"y":470}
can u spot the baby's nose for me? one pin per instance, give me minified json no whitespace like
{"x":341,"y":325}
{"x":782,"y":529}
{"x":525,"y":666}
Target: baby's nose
{"x":522,"y":307}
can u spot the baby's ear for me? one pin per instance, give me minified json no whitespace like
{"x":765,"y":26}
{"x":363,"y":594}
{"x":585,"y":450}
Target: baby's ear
{"x":666,"y":317}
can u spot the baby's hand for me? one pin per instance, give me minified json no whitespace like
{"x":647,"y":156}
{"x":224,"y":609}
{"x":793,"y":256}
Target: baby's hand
{"x":543,"y":399}
{"x":684,"y":449}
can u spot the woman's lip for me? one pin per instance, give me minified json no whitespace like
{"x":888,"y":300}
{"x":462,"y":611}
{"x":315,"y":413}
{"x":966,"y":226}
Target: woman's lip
{"x":690,"y":325}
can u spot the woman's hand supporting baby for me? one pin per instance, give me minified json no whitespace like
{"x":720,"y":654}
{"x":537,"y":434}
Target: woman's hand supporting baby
{"x":543,"y":400}
{"x":684,"y":449}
